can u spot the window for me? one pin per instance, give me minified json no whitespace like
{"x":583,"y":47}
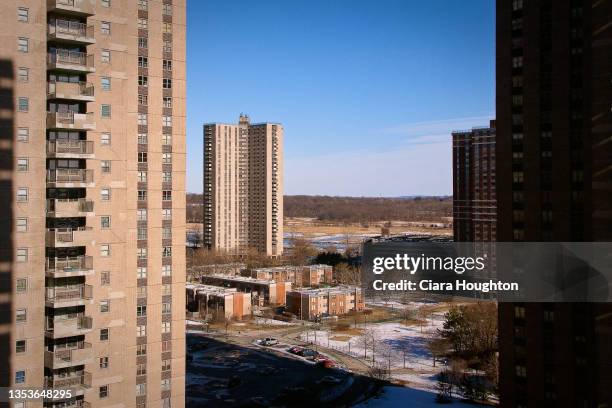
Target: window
{"x":142,"y":195}
{"x":142,"y":214}
{"x":167,"y":65}
{"x":166,"y":270}
{"x":105,"y":278}
{"x":142,"y":253}
{"x":105,"y":3}
{"x":166,"y":176}
{"x":23,"y":104}
{"x":166,"y":195}
{"x":167,"y":47}
{"x":105,"y":139}
{"x":167,"y":102}
{"x":143,"y":24}
{"x":141,"y":292}
{"x":166,"y":402}
{"x":23,"y":44}
{"x":519,"y":312}
{"x":517,"y":5}
{"x":22,"y":14}
{"x":167,"y":83}
{"x":105,"y":82}
{"x":167,"y":28}
{"x":143,"y":5}
{"x":166,"y":308}
{"x":166,"y":327}
{"x":142,"y":157}
{"x":141,"y":350}
{"x":142,"y":176}
{"x":143,"y":99}
{"x":142,"y":119}
{"x":166,"y":233}
{"x":166,"y":365}
{"x":142,"y":138}
{"x":23,"y":74}
{"x":521,"y":371}
{"x":165,"y":384}
{"x":141,"y":233}
{"x":141,"y":389}
{"x":105,"y":56}
{"x":105,"y":166}
{"x":166,"y":251}
{"x":23,"y":134}
{"x":167,"y":9}
{"x":141,"y":310}
{"x":104,"y":306}
{"x":143,"y":62}
{"x":141,"y":331}
{"x":22,"y":164}
{"x":105,"y":222}
{"x":105,"y":27}
{"x":22,"y":194}
{"x":142,"y":42}
{"x":141,"y":272}
{"x":20,"y":346}
{"x":166,"y":289}
{"x":105,"y":250}
{"x":105,"y":111}
{"x":20,"y":377}
{"x":141,"y":369}
{"x":103,"y":391}
{"x":166,"y":214}
{"x":104,"y":334}
{"x":517,"y":62}
{"x":103,"y":362}
{"x":21,"y":285}
{"x":105,"y":194}
{"x":166,"y":158}
{"x":22,"y":254}
{"x":21,"y":315}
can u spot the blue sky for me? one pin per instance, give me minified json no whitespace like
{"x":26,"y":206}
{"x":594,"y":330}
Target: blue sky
{"x":367,"y":91}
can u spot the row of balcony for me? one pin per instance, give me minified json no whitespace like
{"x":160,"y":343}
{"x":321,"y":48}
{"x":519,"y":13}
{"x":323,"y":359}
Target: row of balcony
{"x":79,"y":354}
{"x":68,"y":237}
{"x":68,"y":60}
{"x":69,"y":207}
{"x":80,"y":91}
{"x":79,"y":382}
{"x":84,"y":8}
{"x":70,"y":266}
{"x":66,"y":148}
{"x":68,"y":296}
{"x":71,"y":32}
{"x":68,"y":325}
{"x":70,"y":178}
{"x":71,"y":120}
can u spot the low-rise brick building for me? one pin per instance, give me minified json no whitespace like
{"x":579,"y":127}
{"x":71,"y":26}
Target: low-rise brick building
{"x":309,"y":303}
{"x":265,"y":292}
{"x":299,"y":276}
{"x":217,"y":303}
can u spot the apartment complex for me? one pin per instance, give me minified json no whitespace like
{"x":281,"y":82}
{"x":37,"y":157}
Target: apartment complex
{"x":554,"y":184}
{"x":309,"y":304}
{"x":307,"y":275}
{"x":264,"y":292}
{"x":93,"y":141}
{"x":243,"y":187}
{"x":474,"y":200}
{"x":217,"y":303}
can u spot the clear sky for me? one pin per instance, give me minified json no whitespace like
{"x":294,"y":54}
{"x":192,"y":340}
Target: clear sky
{"x":367,"y":91}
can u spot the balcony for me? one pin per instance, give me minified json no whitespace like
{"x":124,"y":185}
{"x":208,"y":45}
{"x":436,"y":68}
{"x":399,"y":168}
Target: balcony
{"x":71,"y":31}
{"x":78,"y":382}
{"x":70,"y":149}
{"x":68,"y":357}
{"x":68,"y":296}
{"x":69,"y":178}
{"x":69,"y":266}
{"x":69,"y":207}
{"x":71,"y":7}
{"x":67,"y":60}
{"x":68,"y":325}
{"x":69,"y":237}
{"x":79,"y":91}
{"x":70,"y":120}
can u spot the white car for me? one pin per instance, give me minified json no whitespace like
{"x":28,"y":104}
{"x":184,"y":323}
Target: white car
{"x":269,"y":341}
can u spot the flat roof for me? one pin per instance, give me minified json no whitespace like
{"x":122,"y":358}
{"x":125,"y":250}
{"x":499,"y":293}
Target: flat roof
{"x":245,"y":279}
{"x":333,"y":289}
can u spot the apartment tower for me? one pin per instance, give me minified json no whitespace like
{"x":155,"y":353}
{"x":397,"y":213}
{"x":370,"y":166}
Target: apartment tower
{"x":474,"y":201}
{"x":93,"y":221}
{"x":243,"y":187}
{"x":554,"y":183}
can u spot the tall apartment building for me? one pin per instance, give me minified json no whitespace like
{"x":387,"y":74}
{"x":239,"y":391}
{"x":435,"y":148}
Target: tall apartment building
{"x":93,"y":221}
{"x":474,"y":200}
{"x":554,"y":183}
{"x":243,"y":187}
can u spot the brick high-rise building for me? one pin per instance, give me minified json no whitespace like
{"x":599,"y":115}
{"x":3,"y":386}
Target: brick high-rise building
{"x":474,"y":201}
{"x":243,"y":187}
{"x":554,"y":183}
{"x":93,"y":220}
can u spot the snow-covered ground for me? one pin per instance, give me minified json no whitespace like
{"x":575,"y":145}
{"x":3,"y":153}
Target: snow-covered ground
{"x":393,"y":397}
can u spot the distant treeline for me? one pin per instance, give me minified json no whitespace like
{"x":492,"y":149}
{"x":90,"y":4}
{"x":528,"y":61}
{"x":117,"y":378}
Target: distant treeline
{"x":351,"y":209}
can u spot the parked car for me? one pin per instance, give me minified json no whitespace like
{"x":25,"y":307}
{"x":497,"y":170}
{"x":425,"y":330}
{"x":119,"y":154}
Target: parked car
{"x":295,"y":349}
{"x":269,"y":341}
{"x":308,"y":353}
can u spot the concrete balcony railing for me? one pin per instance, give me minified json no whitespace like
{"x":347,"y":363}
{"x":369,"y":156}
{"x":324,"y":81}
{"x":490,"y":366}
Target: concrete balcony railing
{"x":68,"y":60}
{"x":69,"y":237}
{"x":70,"y":177}
{"x":69,"y":266}
{"x":69,"y":207}
{"x":64,"y":148}
{"x":68,"y":325}
{"x":80,"y":91}
{"x":70,"y":120}
{"x":68,"y":296}
{"x":78,"y":382}
{"x":71,"y":31}
{"x":67,"y":357}
{"x":71,"y":7}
